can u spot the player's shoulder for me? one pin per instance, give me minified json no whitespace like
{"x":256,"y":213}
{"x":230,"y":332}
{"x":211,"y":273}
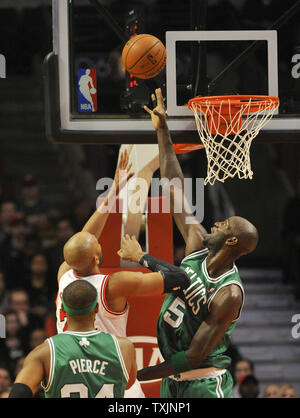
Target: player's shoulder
{"x":198,"y":255}
{"x":232,"y":290}
{"x":62,"y":271}
{"x":65,"y":276}
{"x":39,"y":352}
{"x":125,"y":344}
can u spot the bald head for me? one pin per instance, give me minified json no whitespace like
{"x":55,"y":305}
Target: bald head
{"x":245,"y":232}
{"x":82,"y":252}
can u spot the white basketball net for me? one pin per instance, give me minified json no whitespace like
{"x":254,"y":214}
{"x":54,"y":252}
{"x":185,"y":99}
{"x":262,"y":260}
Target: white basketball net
{"x":228,"y":154}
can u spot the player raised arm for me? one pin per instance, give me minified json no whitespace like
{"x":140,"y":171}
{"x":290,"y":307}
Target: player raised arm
{"x":225,"y":308}
{"x":98,"y":220}
{"x":170,"y":169}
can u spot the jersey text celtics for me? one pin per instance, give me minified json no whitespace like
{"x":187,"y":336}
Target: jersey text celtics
{"x":183,"y":312}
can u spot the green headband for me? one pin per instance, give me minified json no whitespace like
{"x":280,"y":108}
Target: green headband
{"x":78,"y":312}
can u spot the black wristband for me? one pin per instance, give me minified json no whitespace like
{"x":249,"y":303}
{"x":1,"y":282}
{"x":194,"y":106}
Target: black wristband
{"x":174,"y":280}
{"x":19,"y":390}
{"x":174,"y":277}
{"x":154,"y":264}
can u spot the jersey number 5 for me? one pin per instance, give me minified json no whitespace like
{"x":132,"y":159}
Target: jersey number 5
{"x":174,"y":316}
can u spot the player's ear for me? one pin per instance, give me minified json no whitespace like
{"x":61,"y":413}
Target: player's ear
{"x":232,"y":241}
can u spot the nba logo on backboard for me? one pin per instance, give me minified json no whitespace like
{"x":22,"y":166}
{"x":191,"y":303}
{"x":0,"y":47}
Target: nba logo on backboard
{"x":87,"y":90}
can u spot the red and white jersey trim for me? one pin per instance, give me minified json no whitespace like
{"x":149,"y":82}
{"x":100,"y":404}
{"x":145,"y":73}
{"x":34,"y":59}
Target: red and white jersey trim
{"x":103,"y":299}
{"x":107,"y":319}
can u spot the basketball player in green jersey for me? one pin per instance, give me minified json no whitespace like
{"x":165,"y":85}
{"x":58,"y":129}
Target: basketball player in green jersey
{"x":195,"y":324}
{"x":81,"y":362}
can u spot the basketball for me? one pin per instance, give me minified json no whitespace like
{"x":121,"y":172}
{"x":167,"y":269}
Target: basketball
{"x":144,"y":56}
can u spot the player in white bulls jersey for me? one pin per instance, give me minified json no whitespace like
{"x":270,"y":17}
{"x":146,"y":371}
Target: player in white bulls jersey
{"x":83,"y":257}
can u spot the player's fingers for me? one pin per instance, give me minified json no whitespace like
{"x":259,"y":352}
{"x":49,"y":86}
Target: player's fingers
{"x":123,"y":241}
{"x":154,"y":101}
{"x":121,"y":159}
{"x":121,"y":254}
{"x":127,"y":237}
{"x":126,"y":157}
{"x":159,"y":96}
{"x":148,"y":110}
{"x":131,"y":174}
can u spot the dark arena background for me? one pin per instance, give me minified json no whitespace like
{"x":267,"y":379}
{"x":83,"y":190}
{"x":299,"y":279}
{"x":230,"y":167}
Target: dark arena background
{"x":54,"y":149}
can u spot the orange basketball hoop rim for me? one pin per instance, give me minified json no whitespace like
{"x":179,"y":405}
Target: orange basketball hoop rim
{"x":227,"y":126}
{"x":224,"y":113}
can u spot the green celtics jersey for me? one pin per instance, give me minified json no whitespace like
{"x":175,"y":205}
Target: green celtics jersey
{"x":183,"y":312}
{"x":85,"y":365}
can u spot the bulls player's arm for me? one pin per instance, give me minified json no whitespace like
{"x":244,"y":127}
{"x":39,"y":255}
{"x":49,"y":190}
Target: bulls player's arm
{"x":123,"y":284}
{"x":35,"y":369}
{"x":224,"y":309}
{"x":98,"y":220}
{"x":128,"y":353}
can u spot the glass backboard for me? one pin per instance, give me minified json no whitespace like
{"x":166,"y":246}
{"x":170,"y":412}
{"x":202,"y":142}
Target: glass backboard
{"x":213,"y":48}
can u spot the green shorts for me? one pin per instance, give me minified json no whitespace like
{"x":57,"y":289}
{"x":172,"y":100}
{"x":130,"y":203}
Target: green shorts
{"x":214,"y":387}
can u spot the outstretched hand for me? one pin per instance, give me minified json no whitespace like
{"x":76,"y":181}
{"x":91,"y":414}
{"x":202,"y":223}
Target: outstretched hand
{"x":130,"y":249}
{"x":158,"y":114}
{"x":123,"y":173}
